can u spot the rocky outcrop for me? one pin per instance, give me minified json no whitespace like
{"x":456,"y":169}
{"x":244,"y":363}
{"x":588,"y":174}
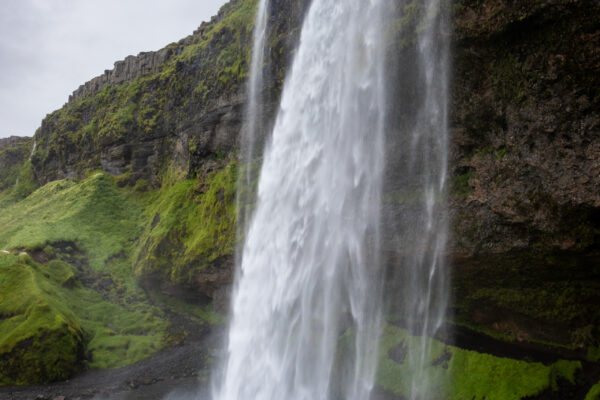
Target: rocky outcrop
{"x":526,"y":168}
{"x":127,"y":70}
{"x":133,"y":67}
{"x":13,"y":141}
{"x":181,"y":104}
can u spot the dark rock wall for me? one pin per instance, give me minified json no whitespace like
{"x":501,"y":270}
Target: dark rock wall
{"x":525,"y":192}
{"x":526,"y":124}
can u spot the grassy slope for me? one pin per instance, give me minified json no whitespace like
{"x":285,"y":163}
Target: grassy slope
{"x":24,"y":185}
{"x":105,"y":228}
{"x":119,"y":326}
{"x":91,"y":213}
{"x":50,"y":319}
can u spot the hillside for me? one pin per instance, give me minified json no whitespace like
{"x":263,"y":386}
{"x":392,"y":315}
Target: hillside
{"x":124,"y":201}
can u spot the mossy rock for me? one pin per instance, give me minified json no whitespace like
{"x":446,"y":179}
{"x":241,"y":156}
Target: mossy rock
{"x":39,"y":342}
{"x":190,"y":225}
{"x":460,"y":374}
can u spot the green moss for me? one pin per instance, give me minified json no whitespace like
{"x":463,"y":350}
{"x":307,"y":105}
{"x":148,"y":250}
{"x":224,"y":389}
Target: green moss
{"x":559,"y":302}
{"x":92,"y":213}
{"x":501,"y":152}
{"x":199,"y":314}
{"x":593,"y":354}
{"x":462,"y":374}
{"x":460,"y":184}
{"x":39,"y":340}
{"x":26,"y":183}
{"x":191,"y":224}
{"x":120,"y":327}
{"x":11,"y":161}
{"x":549,"y":299}
{"x":594,"y":393}
{"x":22,"y":187}
{"x":50,"y":318}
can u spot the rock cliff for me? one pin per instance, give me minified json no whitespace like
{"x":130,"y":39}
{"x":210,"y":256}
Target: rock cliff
{"x":14,"y":151}
{"x":525,"y":154}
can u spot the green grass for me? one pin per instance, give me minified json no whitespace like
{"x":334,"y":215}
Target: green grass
{"x":103,"y":229}
{"x":39,"y":341}
{"x":24,"y":184}
{"x":467,"y":375}
{"x":92,"y":213}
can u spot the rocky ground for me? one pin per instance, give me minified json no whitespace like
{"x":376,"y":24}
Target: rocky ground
{"x":174,"y":373}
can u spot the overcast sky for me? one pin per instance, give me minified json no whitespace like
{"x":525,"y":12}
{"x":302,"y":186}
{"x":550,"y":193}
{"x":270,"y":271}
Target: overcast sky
{"x":50,"y":47}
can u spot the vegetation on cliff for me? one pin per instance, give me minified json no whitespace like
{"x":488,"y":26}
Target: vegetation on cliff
{"x":189,"y":225}
{"x":209,"y":67}
{"x":79,"y":303}
{"x":90,"y":225}
{"x":151,"y":195}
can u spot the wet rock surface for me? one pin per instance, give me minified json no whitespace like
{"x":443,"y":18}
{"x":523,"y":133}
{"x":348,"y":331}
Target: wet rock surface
{"x":526,"y":123}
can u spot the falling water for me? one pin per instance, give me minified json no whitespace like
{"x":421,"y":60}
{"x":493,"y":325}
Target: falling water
{"x":253,"y":131}
{"x":306,"y":308}
{"x":309,"y":265}
{"x":32,"y":149}
{"x":420,"y":179}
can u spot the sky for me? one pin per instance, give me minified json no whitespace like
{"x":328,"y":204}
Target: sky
{"x":50,"y":47}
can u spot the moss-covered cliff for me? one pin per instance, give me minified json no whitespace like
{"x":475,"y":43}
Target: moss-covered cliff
{"x":159,"y":144}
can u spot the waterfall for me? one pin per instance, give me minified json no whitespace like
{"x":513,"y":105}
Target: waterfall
{"x":32,"y":149}
{"x":420,"y":279}
{"x":307,"y":303}
{"x":309,"y":265}
{"x":253,"y":131}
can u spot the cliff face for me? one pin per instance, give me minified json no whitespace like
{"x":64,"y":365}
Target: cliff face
{"x":526,"y":163}
{"x":179,"y":105}
{"x":525,"y":154}
{"x":14,"y":152}
{"x":526,"y":119}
